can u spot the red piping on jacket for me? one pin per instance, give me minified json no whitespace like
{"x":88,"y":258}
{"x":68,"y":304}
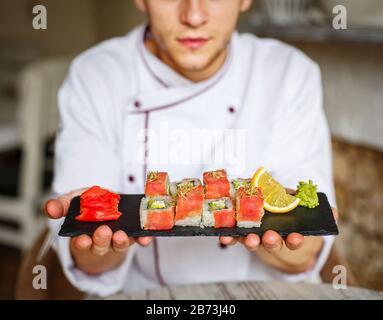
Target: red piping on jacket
{"x":155,"y":244}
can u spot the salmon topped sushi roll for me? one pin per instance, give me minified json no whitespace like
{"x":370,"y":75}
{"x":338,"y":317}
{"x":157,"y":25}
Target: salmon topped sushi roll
{"x":157,"y":213}
{"x":189,"y":196}
{"x":216,"y":184}
{"x":249,"y":207}
{"x":218,"y":213}
{"x":157,"y":184}
{"x":235,"y":184}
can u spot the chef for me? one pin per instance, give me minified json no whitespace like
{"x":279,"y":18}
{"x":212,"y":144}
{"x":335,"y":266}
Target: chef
{"x":185,"y":93}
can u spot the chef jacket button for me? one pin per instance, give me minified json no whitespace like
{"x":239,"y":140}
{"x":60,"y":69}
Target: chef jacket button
{"x":137,"y":104}
{"x":231,"y":109}
{"x":222,"y":246}
{"x":131,"y":178}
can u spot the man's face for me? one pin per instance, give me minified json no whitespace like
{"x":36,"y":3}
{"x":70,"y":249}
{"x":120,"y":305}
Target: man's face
{"x":191,"y":34}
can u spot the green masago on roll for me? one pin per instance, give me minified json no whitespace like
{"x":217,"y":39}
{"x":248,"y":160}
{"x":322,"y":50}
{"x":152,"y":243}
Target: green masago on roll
{"x":307,"y":193}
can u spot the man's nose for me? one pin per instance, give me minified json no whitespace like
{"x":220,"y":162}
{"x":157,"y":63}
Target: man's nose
{"x":193,"y":13}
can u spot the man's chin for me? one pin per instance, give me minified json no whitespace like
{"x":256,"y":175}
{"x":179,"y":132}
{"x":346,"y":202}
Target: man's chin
{"x":190,"y":64}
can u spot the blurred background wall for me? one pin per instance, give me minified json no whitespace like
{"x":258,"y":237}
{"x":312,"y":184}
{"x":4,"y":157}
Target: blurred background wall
{"x":34,"y":62}
{"x":73,"y":25}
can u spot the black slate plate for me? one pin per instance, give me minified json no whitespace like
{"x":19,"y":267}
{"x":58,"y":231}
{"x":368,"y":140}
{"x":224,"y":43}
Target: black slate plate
{"x":309,"y":222}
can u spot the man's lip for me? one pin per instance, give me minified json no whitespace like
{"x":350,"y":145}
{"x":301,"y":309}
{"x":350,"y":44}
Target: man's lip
{"x":193,"y":43}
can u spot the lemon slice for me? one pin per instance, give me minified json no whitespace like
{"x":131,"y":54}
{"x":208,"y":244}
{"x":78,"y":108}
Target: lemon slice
{"x":278,"y":202}
{"x":276,"y":199}
{"x":262,"y":179}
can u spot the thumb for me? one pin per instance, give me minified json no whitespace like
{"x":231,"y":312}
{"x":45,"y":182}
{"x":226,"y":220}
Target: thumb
{"x":335,"y":213}
{"x":54,"y":209}
{"x":58,"y":208}
{"x":290,"y":191}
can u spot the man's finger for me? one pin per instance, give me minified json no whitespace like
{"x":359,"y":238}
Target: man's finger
{"x":58,"y":208}
{"x":144,"y":241}
{"x":120,"y":242}
{"x":290,"y":191}
{"x":101,"y":240}
{"x":252,"y":242}
{"x":272,"y":241}
{"x":81,"y":243}
{"x":335,"y":214}
{"x":294,"y":241}
{"x":54,"y":209}
{"x":228,"y":241}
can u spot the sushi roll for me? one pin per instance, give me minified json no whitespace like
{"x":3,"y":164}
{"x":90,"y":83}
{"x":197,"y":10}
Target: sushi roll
{"x":218,"y":213}
{"x":249,"y":207}
{"x":216,"y":184}
{"x":157,"y":184}
{"x":189,"y":196}
{"x":235,"y":184}
{"x":157,"y":213}
{"x":190,"y":182}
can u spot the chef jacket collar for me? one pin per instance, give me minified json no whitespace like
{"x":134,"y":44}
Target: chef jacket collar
{"x":175,"y":88}
{"x":167,"y":76}
{"x":163,"y":73}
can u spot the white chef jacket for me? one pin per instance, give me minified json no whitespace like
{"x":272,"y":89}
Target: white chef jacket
{"x":122,"y":112}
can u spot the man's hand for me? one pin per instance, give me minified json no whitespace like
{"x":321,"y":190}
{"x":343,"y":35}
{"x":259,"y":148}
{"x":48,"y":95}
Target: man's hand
{"x":294,"y":254}
{"x":103,"y":251}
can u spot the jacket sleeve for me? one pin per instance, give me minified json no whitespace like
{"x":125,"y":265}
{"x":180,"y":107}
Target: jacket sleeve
{"x":84,"y":156}
{"x":301,"y":147}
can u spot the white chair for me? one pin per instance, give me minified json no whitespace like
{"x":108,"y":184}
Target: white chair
{"x":36,"y":124}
